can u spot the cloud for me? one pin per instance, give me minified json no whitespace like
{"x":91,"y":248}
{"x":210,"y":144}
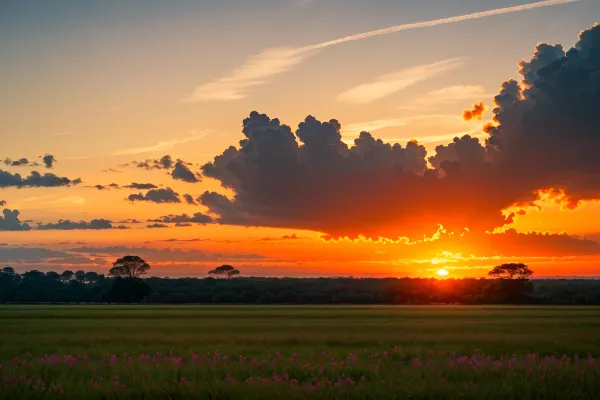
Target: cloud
{"x":183,"y":173}
{"x":112,"y":170}
{"x":189,"y":199}
{"x":165,"y":255}
{"x":283,"y":238}
{"x":476,"y":113}
{"x":197,"y":218}
{"x":105,"y":187}
{"x":2,"y":203}
{"x":10,"y":221}
{"x":35,"y":179}
{"x":157,"y":226}
{"x":14,"y":254}
{"x":165,"y":162}
{"x":16,"y":163}
{"x":310,"y":179}
{"x":141,"y":186}
{"x":447,"y":95}
{"x":389,"y":84}
{"x":274,"y":61}
{"x":159,"y":196}
{"x":49,"y":160}
{"x":160,"y":146}
{"x":67,"y":225}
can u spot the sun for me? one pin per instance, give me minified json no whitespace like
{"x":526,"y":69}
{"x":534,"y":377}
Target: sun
{"x":442,"y":272}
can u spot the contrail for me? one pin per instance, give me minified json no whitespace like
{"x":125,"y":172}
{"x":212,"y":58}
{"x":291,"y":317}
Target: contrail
{"x":275,"y":61}
{"x":436,"y":22}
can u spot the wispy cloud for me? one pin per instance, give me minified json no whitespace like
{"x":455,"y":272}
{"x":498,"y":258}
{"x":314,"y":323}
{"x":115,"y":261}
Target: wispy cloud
{"x":389,"y":84}
{"x":447,"y":95}
{"x":161,"y":146}
{"x":258,"y":68}
{"x":352,"y":130}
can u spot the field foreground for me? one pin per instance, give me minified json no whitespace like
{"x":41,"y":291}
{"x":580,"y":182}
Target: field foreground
{"x":296,"y":352}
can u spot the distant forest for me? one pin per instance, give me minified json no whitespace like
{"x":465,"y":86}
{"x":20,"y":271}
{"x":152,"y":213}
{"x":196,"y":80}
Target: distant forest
{"x":90,"y":287}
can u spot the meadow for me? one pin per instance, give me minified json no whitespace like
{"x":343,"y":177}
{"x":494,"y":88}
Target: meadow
{"x":427,"y":352}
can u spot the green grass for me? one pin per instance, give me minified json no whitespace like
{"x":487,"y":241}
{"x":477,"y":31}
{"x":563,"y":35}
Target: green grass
{"x":403,"y":333}
{"x":100,"y":330}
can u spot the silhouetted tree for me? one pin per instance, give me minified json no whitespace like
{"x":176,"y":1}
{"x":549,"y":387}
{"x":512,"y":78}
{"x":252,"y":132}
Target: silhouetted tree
{"x":67,"y":275}
{"x":225,"y":270}
{"x":33,"y":275}
{"x":54,"y":276}
{"x":80,"y":276}
{"x":129,"y":267}
{"x":92,"y":277}
{"x":511,"y":271}
{"x":8,"y":270}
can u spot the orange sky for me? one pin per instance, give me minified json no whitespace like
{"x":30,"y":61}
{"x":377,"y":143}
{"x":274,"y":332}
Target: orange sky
{"x":102,"y":88}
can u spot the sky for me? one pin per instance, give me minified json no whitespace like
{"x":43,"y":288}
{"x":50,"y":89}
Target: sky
{"x":201,"y":133}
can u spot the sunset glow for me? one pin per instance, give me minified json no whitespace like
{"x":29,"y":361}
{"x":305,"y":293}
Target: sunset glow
{"x":130,"y":129}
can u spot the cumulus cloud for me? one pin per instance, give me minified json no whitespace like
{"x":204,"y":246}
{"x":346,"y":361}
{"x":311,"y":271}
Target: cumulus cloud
{"x":310,"y":179}
{"x":159,"y":196}
{"x":10,"y":221}
{"x":183,"y":173}
{"x":49,"y":160}
{"x":389,"y":84}
{"x":476,"y":113}
{"x":16,"y":163}
{"x":157,"y":226}
{"x":197,"y":218}
{"x":165,"y":162}
{"x":67,"y":225}
{"x":189,"y":199}
{"x":35,"y":179}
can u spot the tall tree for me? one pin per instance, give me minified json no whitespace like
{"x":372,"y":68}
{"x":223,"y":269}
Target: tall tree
{"x":80,"y":276}
{"x":511,"y":271}
{"x":67,"y":275}
{"x":225,"y":270}
{"x":8,"y":270}
{"x":129,"y":267}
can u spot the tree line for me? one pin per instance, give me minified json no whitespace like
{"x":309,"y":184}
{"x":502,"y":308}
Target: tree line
{"x":124,"y":284}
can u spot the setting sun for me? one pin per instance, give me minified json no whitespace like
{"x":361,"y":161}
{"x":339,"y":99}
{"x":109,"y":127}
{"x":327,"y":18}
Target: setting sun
{"x":442,"y":272}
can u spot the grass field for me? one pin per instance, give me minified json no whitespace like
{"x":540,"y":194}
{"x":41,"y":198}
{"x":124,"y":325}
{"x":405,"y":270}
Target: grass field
{"x":269,"y":352}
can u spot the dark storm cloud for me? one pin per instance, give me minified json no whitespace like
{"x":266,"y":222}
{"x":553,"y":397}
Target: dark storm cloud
{"x":159,"y":196}
{"x":141,"y":186}
{"x":165,"y":162}
{"x":183,"y":173}
{"x":10,"y":221}
{"x":35,"y":179}
{"x":67,"y":225}
{"x":49,"y":160}
{"x":546,"y":134}
{"x":197,"y":218}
